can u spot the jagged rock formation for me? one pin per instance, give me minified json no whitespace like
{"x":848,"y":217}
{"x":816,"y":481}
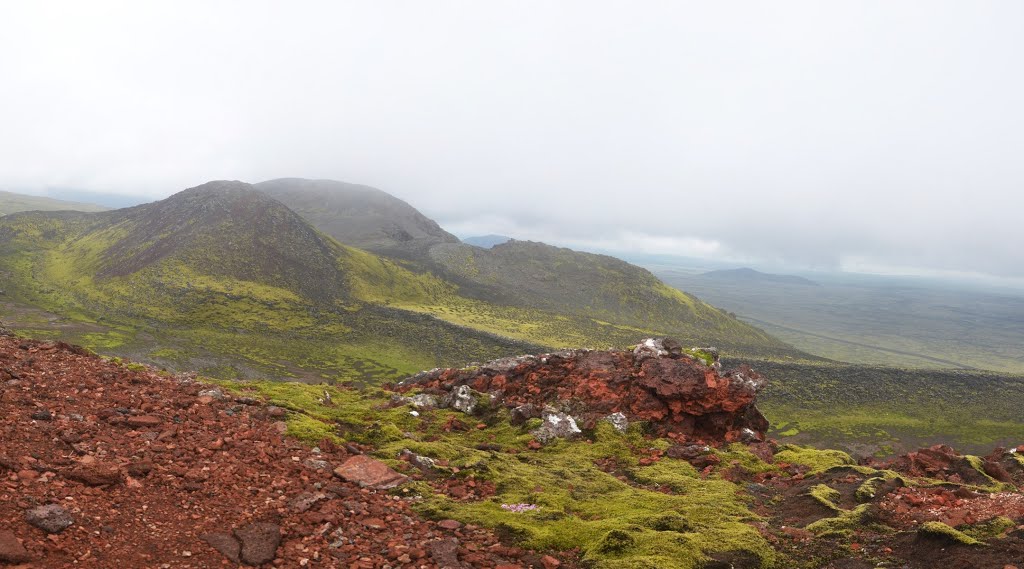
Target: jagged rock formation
{"x":675,"y":393}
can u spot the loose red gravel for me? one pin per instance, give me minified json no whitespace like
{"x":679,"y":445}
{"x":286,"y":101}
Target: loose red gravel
{"x":147,"y":467}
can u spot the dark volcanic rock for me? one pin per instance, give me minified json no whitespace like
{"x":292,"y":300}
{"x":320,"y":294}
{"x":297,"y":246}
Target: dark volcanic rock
{"x":226,"y":544}
{"x":444,"y":552}
{"x":259,"y":542}
{"x":50,"y":518}
{"x":656,"y":383}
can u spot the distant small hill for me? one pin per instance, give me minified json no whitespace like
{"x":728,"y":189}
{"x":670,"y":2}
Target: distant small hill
{"x":13,"y":203}
{"x":359,"y":216}
{"x":486,"y":241}
{"x":747,"y":275}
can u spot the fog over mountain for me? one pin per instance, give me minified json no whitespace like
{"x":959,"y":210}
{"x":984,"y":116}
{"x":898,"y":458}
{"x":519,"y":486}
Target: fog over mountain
{"x":868,"y":136}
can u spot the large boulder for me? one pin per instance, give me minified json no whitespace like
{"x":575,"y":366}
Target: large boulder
{"x":657,"y":382}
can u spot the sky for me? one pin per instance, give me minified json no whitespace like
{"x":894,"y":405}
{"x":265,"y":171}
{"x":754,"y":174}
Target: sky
{"x":861,"y":136}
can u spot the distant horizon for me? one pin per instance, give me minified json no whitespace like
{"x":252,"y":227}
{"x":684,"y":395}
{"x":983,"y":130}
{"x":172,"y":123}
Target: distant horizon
{"x":640,"y":256}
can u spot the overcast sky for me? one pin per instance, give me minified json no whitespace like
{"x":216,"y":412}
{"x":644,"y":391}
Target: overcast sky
{"x":859,"y":135}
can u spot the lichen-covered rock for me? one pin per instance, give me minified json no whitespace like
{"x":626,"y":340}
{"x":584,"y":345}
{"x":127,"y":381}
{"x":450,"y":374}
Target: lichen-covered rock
{"x":424,"y":463}
{"x":656,"y":348}
{"x":618,"y":421}
{"x":423,"y":401}
{"x":461,"y":398}
{"x":556,"y":425}
{"x":657,"y":382}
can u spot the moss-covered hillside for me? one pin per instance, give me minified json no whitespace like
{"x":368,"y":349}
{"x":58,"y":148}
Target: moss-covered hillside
{"x":13,"y":203}
{"x":225,"y":279}
{"x":526,"y":290}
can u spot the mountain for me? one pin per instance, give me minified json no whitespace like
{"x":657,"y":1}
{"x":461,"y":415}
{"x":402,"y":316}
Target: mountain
{"x":486,"y":241}
{"x":224,"y":230}
{"x":526,"y":290}
{"x":537,"y":275}
{"x":224,"y":278}
{"x":14,"y":203}
{"x":229,"y":279}
{"x":359,"y":216}
{"x":747,"y":275}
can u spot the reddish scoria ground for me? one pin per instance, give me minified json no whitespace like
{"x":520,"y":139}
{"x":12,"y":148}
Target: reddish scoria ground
{"x":147,"y":468}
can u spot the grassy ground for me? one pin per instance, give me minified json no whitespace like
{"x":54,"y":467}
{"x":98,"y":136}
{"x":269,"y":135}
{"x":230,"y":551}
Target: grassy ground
{"x":873,"y":409}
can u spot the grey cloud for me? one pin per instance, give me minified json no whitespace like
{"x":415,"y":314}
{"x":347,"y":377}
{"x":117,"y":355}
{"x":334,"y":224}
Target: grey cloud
{"x":809,"y":132}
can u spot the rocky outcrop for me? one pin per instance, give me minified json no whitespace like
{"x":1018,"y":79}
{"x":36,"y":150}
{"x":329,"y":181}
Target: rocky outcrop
{"x":673,"y":392}
{"x":942,"y":462}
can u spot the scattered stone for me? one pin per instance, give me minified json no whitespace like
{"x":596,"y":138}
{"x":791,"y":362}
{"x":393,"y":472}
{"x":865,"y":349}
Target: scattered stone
{"x":617,"y":420}
{"x":226,"y":544}
{"x":50,"y":518}
{"x":524,"y":413}
{"x":275,"y":411}
{"x":461,"y":398}
{"x":42,"y":415}
{"x":259,"y":542}
{"x":449,"y":524}
{"x":144,"y":421}
{"x":422,"y":462}
{"x":369,"y":472}
{"x":550,"y":562}
{"x":748,"y":436}
{"x":214,"y":393}
{"x":424,"y":401}
{"x":95,"y":474}
{"x":140,"y":469}
{"x":557,"y":425}
{"x":11,"y":550}
{"x":700,"y":456}
{"x":303,"y":502}
{"x":656,"y":348}
{"x":445,"y":552}
{"x":374,"y":523}
{"x":317,"y":464}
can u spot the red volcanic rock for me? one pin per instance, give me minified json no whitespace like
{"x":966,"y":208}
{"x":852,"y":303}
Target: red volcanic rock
{"x":11,"y":549}
{"x":366,"y":471}
{"x":944,"y":463}
{"x":673,"y":392}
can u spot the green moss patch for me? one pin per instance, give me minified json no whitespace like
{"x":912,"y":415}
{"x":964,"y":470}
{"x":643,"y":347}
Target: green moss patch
{"x":817,"y":460}
{"x":841,"y":525}
{"x":939,"y":530}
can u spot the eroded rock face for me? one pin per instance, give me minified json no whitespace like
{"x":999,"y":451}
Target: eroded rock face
{"x":657,"y":383}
